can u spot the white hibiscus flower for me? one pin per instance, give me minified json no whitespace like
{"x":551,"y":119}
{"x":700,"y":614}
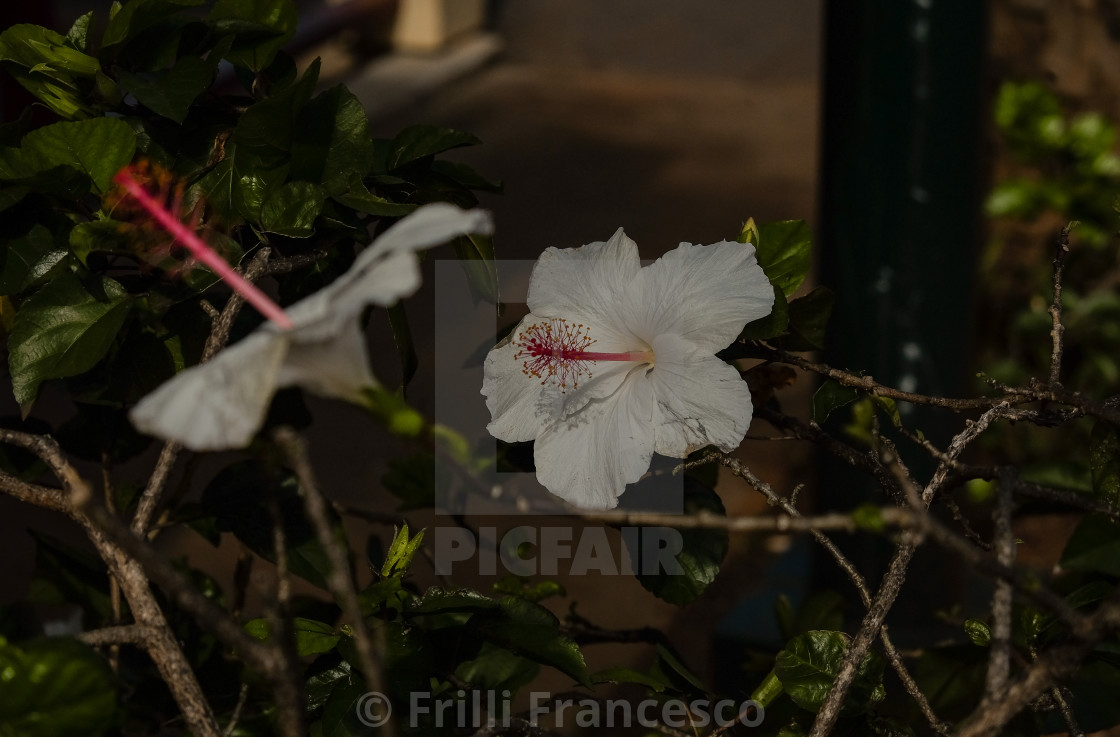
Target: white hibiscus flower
{"x":222,"y":403}
{"x":616,"y":362}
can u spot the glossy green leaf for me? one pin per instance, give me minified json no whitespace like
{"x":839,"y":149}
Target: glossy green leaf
{"x":785,"y":250}
{"x":54,"y":688}
{"x":331,"y":143}
{"x":771,"y":326}
{"x":273,"y":23}
{"x":533,"y":632}
{"x":700,"y":556}
{"x":978,"y":631}
{"x":360,"y":199}
{"x":830,"y":397}
{"x":1094,"y":546}
{"x":418,"y":141}
{"x":312,"y":637}
{"x":808,"y":666}
{"x":1104,"y":461}
{"x":436,"y":600}
{"x":98,"y":148}
{"x":135,"y":16}
{"x":808,"y":320}
{"x":44,"y":52}
{"x":292,"y":208}
{"x":497,"y":669}
{"x":105,"y":236}
{"x":63,"y":330}
{"x":173,"y":92}
{"x":343,"y":709}
{"x":320,"y":684}
{"x":29,"y":260}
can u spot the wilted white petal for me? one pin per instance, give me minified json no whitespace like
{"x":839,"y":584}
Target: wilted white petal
{"x":331,"y":310}
{"x":588,"y":284}
{"x":334,"y":367}
{"x":219,"y":404}
{"x":704,"y":293}
{"x":701,"y":400}
{"x":427,"y":226}
{"x":589,"y":457}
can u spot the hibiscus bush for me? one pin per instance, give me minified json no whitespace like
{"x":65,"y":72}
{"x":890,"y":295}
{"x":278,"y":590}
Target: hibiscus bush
{"x":195,"y":236}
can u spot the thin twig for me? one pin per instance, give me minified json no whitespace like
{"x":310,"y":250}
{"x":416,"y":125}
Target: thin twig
{"x":999,"y":653}
{"x":1057,"y":330}
{"x":339,"y":579}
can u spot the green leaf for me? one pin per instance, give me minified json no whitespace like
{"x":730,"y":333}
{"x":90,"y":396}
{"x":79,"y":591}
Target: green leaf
{"x":98,"y":148}
{"x":418,"y":141}
{"x":414,"y":480}
{"x":343,"y":709}
{"x":670,"y":668}
{"x":401,"y":551}
{"x":532,"y":591}
{"x":466,"y":176}
{"x":360,"y":199}
{"x":292,"y":208}
{"x":267,"y":26}
{"x":830,"y":397}
{"x":105,"y":236}
{"x":29,"y":260}
{"x":785,"y":250}
{"x":476,"y":254}
{"x":978,"y":631}
{"x":808,"y":320}
{"x":808,"y":666}
{"x":437,"y":601}
{"x":53,"y":688}
{"x":771,"y":326}
{"x":64,"y":575}
{"x":237,"y":498}
{"x":1104,"y":461}
{"x":64,"y":329}
{"x":173,"y":92}
{"x":533,"y":632}
{"x":331,"y":144}
{"x":620,"y":674}
{"x":497,"y":669}
{"x":78,"y":35}
{"x":700,"y":556}
{"x":44,"y":52}
{"x":1094,"y":546}
{"x":138,"y":15}
{"x":312,"y":637}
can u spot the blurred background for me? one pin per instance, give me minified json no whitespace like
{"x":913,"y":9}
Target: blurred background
{"x":935,"y":146}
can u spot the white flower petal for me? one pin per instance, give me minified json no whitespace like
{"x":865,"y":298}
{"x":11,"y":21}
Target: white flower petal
{"x":334,"y":367}
{"x":219,"y":404}
{"x":428,"y":226}
{"x":589,"y":285}
{"x":331,"y":310}
{"x":589,"y":458}
{"x":703,"y":293}
{"x":387,"y":270}
{"x":518,"y":403}
{"x":701,"y":400}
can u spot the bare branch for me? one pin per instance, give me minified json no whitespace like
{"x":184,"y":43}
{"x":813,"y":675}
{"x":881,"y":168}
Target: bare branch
{"x":339,"y":579}
{"x":1055,"y":310}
